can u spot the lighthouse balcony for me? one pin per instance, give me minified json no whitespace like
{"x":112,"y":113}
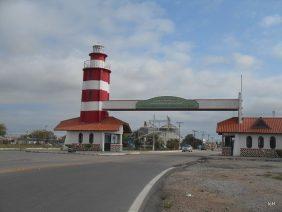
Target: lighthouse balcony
{"x":96,"y":64}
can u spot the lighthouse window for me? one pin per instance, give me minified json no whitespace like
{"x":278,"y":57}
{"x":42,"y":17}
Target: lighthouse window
{"x":260,"y":142}
{"x":272,"y":142}
{"x":80,"y":138}
{"x":91,"y":138}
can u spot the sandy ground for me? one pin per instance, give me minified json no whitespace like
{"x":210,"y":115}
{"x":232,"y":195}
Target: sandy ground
{"x":223,"y":185}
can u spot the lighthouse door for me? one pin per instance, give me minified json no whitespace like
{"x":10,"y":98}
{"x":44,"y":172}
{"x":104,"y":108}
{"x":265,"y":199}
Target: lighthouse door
{"x":107,"y":144}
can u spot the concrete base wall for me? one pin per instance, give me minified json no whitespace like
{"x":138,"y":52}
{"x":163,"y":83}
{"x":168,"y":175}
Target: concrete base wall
{"x":258,"y":153}
{"x":226,"y":151}
{"x":116,"y":147}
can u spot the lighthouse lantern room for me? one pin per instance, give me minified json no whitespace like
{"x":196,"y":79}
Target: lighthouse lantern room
{"x":95,"y":129}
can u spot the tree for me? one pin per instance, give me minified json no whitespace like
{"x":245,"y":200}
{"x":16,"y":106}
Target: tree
{"x":3,"y":130}
{"x":172,"y":144}
{"x":42,"y":135}
{"x":191,"y":140}
{"x":159,"y":143}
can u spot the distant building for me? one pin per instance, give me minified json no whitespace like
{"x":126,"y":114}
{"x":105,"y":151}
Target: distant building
{"x":165,"y":132}
{"x":257,"y":137}
{"x":169,"y":131}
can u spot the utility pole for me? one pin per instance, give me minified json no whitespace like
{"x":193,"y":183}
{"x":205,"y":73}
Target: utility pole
{"x":154,"y":126}
{"x":154,"y":132}
{"x":194,"y":134}
{"x":203,"y":135}
{"x":179,"y":125}
{"x":273,"y":113}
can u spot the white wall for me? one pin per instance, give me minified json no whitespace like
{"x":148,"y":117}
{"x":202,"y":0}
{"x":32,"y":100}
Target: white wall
{"x":72,"y":136}
{"x":240,"y":142}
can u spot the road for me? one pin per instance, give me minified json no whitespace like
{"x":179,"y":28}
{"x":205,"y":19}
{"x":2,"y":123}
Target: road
{"x":68,"y":182}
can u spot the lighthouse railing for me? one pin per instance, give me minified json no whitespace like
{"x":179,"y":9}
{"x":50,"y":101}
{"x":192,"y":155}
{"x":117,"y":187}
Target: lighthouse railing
{"x":96,"y":64}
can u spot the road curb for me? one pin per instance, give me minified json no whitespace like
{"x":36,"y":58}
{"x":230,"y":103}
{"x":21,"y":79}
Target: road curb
{"x":10,"y":149}
{"x":140,"y":200}
{"x":83,"y":153}
{"x":244,"y":158}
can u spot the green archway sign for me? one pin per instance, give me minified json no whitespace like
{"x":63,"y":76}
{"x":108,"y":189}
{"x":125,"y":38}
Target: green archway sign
{"x":167,"y":103}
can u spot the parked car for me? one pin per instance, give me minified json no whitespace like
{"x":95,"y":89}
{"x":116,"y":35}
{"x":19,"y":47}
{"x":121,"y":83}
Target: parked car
{"x":71,"y":149}
{"x":187,"y":148}
{"x":203,"y":147}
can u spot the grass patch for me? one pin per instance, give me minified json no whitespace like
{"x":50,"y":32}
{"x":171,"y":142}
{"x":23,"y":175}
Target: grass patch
{"x":23,"y":146}
{"x":276,"y":176}
{"x":167,"y":204}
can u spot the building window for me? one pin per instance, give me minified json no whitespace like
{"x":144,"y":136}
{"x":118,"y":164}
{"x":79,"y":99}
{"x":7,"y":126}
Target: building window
{"x":249,"y":142}
{"x":80,"y":138}
{"x":114,"y":139}
{"x":260,"y":142}
{"x":91,"y":138}
{"x":272,"y":142}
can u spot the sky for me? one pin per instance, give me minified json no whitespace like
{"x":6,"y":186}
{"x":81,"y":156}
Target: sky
{"x":191,"y":49}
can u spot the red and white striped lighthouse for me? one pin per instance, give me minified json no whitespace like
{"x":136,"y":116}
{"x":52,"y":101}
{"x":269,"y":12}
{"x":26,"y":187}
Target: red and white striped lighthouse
{"x":95,"y":87}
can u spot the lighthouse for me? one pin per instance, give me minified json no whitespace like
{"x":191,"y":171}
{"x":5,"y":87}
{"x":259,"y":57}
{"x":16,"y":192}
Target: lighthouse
{"x":96,"y":86}
{"x":94,"y":129}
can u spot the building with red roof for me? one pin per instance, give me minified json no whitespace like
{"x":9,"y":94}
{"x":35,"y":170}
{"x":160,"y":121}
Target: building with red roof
{"x":252,"y":136}
{"x":95,"y":127}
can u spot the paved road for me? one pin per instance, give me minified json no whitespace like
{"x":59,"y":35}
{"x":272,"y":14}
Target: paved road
{"x":57,"y":182}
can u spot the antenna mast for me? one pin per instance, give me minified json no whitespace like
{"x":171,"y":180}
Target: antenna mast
{"x":240,"y":111}
{"x":241,"y":84}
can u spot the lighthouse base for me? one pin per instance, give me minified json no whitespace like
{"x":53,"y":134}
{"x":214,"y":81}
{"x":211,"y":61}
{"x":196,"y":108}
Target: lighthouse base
{"x":107,"y":134}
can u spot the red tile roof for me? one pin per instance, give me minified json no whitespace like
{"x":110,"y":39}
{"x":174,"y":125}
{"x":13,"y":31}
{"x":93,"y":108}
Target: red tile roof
{"x":108,"y":124}
{"x":263,"y":125}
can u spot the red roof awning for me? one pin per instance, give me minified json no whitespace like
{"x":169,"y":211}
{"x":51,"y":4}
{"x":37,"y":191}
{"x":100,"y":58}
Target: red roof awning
{"x":265,"y":125}
{"x":108,"y":124}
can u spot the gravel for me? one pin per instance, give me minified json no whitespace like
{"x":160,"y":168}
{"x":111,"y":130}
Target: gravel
{"x":222,"y":185}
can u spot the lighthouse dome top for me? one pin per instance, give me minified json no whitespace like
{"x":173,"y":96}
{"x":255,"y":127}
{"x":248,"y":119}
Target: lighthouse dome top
{"x":98,"y":48}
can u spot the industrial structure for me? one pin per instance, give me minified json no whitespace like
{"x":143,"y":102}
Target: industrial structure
{"x":150,"y":131}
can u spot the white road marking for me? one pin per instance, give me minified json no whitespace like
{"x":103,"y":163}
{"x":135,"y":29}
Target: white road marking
{"x":136,"y":205}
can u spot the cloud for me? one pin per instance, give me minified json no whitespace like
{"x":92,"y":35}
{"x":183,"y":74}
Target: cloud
{"x":277,"y":50}
{"x":271,"y":20}
{"x":245,"y":62}
{"x":211,"y":60}
{"x":231,"y":41}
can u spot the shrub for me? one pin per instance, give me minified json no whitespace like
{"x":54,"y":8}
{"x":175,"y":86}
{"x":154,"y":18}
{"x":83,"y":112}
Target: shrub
{"x":172,"y":144}
{"x":87,"y":147}
{"x":279,"y":153}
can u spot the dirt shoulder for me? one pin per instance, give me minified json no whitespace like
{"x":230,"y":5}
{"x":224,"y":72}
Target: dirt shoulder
{"x":221,"y":185}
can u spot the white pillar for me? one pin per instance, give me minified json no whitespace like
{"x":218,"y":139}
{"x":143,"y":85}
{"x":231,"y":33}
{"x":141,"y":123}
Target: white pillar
{"x":120,"y":142}
{"x":103,"y":141}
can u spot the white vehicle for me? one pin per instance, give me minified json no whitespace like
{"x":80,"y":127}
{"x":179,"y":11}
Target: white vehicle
{"x":187,"y":148}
